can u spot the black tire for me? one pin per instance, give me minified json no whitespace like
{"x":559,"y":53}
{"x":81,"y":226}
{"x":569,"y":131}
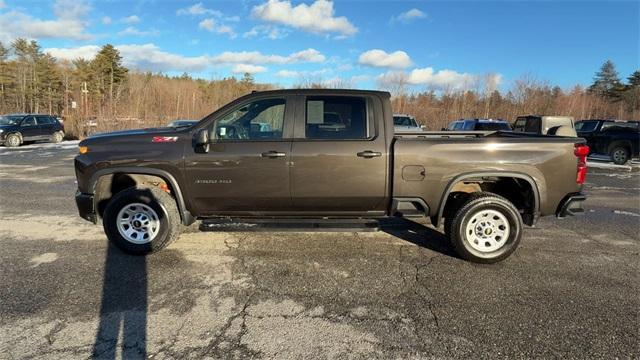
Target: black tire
{"x":12,"y":140}
{"x":164,"y":206}
{"x":57,"y":137}
{"x":619,"y":155}
{"x":472,"y":210}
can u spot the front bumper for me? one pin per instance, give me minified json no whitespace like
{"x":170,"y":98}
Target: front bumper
{"x":86,"y":207}
{"x":571,"y":205}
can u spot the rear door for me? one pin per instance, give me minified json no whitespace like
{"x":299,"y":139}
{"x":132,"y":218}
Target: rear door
{"x":46,"y":125}
{"x":339,"y":157}
{"x":246,"y":170}
{"x":29,"y":128}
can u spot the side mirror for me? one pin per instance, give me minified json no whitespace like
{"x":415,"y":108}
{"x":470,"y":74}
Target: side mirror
{"x":443,"y":129}
{"x":423,"y":127}
{"x":201,"y":140}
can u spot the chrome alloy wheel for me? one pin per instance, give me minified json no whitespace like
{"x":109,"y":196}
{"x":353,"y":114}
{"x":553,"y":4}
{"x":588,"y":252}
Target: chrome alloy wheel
{"x":138,"y":223}
{"x":487,"y":231}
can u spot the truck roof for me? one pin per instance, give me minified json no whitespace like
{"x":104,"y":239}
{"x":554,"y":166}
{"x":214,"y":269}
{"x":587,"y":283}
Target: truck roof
{"x":324,"y":92}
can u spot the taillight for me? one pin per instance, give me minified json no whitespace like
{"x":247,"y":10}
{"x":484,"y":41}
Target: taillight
{"x":581,"y":151}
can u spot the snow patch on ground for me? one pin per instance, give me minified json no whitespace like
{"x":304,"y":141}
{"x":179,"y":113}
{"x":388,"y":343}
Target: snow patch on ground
{"x":37,"y":146}
{"x":622,"y":212}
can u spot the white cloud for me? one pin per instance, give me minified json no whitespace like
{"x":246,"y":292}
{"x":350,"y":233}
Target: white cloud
{"x":248,"y":68}
{"x":409,"y":16}
{"x":149,"y":57}
{"x":441,"y":80}
{"x":69,"y":23}
{"x":299,"y":74}
{"x":198,"y":9}
{"x":106,"y":20}
{"x":82,"y":52}
{"x":207,"y":24}
{"x":210,"y":25}
{"x":133,"y":19}
{"x":132,"y":31}
{"x":70,"y":9}
{"x":380,"y":58}
{"x":266,"y":31}
{"x":256,"y":57}
{"x":315,"y":18}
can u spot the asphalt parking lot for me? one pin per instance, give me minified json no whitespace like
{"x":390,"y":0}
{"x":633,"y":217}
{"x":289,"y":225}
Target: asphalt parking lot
{"x":570,"y":290}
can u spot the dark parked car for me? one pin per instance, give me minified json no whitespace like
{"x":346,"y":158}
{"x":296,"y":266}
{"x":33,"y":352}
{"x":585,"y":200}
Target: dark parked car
{"x":327,"y":158}
{"x":478,"y":125}
{"x":15,"y":129}
{"x":618,"y":139}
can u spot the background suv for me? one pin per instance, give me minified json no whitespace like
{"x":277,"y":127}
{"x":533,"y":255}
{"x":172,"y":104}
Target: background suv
{"x":618,"y":139}
{"x":478,"y":125}
{"x":15,"y":129}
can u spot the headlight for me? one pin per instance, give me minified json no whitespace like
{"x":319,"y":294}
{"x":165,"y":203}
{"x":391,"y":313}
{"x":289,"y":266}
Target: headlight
{"x":1,"y":131}
{"x":83,"y":149}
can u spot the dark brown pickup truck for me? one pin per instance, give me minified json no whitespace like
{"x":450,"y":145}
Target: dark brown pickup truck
{"x":325,"y":155}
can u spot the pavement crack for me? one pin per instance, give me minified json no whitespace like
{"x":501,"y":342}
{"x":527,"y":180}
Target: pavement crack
{"x":56,"y":329}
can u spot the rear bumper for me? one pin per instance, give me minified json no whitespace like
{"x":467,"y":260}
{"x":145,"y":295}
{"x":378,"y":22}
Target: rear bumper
{"x":571,"y":205}
{"x":85,"y":207}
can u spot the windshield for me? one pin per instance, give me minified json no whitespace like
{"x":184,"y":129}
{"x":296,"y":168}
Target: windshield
{"x":586,"y":126}
{"x":483,"y":126}
{"x":404,"y":121}
{"x":10,"y":120}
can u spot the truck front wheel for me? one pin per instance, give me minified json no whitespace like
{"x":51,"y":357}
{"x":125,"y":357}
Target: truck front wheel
{"x":141,"y":220}
{"x":486,"y":228}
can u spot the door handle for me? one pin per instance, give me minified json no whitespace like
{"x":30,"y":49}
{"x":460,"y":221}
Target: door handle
{"x":273,"y":154}
{"x":369,"y":154}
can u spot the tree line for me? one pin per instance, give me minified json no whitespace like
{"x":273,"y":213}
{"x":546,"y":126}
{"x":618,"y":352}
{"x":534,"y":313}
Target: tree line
{"x":103,"y":92}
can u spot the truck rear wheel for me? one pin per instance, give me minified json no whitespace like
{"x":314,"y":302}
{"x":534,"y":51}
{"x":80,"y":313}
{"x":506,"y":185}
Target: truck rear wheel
{"x":141,"y":221}
{"x":486,"y":228}
{"x":619,"y":155}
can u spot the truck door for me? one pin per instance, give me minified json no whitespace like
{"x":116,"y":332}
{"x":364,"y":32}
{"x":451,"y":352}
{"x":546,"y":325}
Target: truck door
{"x":246,"y":170}
{"x":339,"y":156}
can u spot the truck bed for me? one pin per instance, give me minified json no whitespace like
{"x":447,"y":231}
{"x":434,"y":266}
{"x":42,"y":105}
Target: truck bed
{"x":428,"y":164}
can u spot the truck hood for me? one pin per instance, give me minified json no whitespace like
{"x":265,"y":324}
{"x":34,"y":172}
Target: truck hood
{"x":148,"y":131}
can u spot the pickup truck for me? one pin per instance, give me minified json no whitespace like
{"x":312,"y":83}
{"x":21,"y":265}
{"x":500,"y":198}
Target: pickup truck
{"x":328,"y":155}
{"x":618,"y":139}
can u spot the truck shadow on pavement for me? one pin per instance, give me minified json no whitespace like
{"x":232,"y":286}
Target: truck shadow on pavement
{"x":124,"y":307}
{"x":418,"y":234}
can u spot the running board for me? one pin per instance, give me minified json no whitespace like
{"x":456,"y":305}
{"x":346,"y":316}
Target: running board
{"x":290,"y":225}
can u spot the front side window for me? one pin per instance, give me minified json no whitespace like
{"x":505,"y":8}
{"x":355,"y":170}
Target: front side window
{"x":29,"y":121}
{"x":336,"y":117}
{"x":586,"y":126}
{"x":258,"y":120}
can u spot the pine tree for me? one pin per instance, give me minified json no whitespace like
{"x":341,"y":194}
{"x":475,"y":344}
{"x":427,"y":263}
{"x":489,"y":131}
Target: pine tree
{"x":4,"y":78}
{"x":606,"y":83}
{"x":108,"y":73}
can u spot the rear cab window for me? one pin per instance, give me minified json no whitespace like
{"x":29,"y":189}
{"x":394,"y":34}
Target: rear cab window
{"x":337,"y":118}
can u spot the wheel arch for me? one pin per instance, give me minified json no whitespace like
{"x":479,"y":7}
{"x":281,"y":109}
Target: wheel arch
{"x":103,"y":178}
{"x":535,"y":210}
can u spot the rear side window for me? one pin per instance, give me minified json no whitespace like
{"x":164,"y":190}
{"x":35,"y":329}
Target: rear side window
{"x":619,"y":126}
{"x":336,"y":117}
{"x":44,"y":120}
{"x":492,"y":126}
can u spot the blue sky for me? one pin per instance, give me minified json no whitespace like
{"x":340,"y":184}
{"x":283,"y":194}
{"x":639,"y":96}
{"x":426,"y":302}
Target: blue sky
{"x":368,"y":44}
